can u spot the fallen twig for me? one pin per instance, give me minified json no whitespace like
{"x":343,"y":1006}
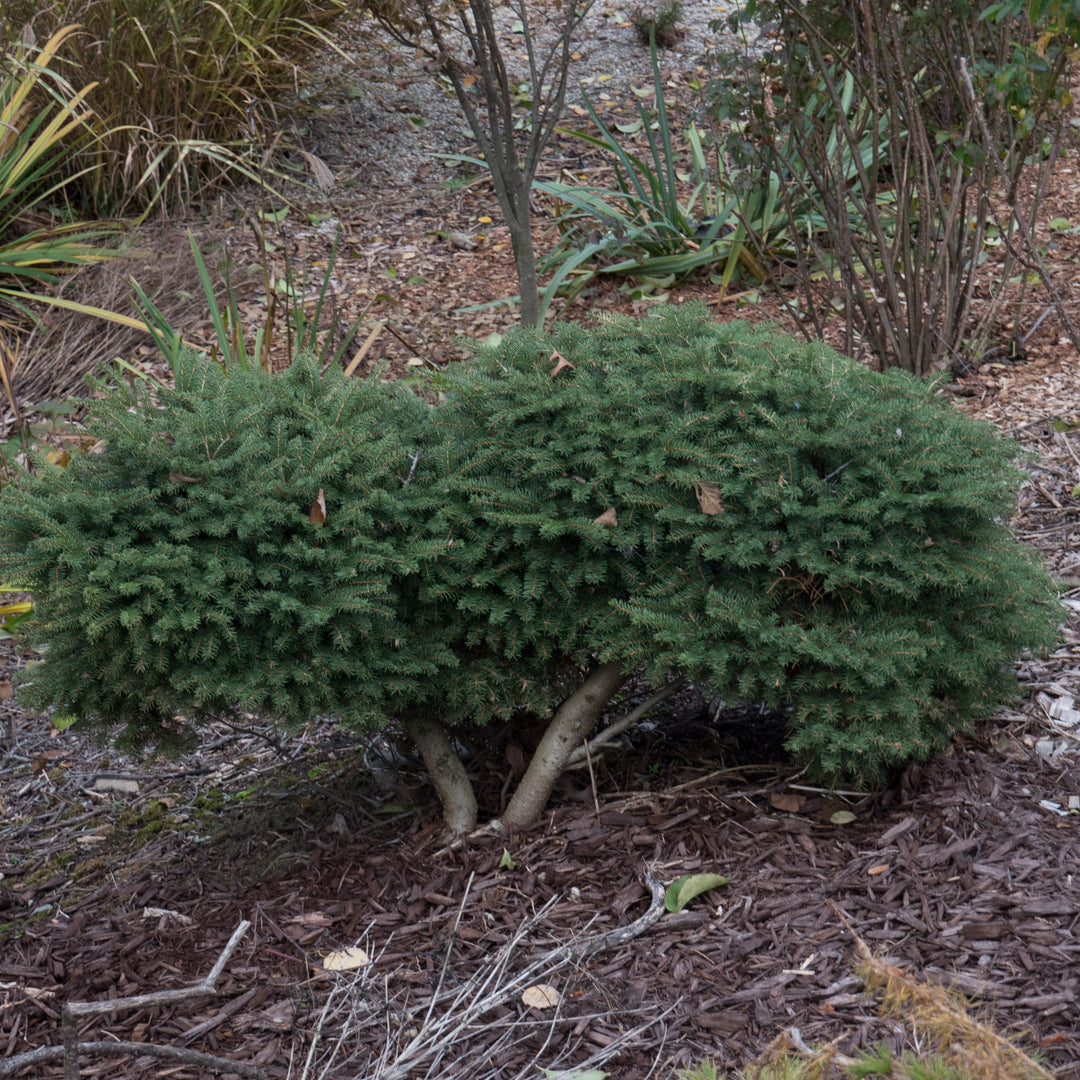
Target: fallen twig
{"x":580,"y":755}
{"x":111,"y":1048}
{"x":71,"y":1049}
{"x":486,"y":990}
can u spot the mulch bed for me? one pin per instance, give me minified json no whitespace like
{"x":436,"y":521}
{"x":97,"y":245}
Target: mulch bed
{"x":958,"y":872}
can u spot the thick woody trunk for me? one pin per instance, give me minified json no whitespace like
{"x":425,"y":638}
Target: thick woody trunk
{"x":573,"y":721}
{"x":446,"y":771}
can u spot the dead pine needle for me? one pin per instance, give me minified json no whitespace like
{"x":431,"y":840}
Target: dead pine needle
{"x":941,"y":1015}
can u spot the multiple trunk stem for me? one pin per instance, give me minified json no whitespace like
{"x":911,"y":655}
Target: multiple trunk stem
{"x":569,"y":727}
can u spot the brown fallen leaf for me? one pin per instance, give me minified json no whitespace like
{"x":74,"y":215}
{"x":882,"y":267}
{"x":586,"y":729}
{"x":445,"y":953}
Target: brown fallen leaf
{"x":540,"y":996}
{"x":463,"y":241}
{"x":7,"y":692}
{"x":609,"y":519}
{"x":708,"y":497}
{"x":787,"y":801}
{"x":321,"y":173}
{"x":41,"y":762}
{"x":561,"y":362}
{"x":317,"y":514}
{"x":277,"y":1017}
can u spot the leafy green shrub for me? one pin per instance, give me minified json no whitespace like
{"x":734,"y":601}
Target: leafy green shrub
{"x":178,"y":82}
{"x":185,"y":570}
{"x":771,"y":519}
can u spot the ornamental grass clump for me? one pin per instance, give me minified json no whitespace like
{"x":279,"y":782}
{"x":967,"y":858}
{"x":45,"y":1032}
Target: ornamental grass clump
{"x":241,"y":544}
{"x":182,"y":86}
{"x":760,"y":514}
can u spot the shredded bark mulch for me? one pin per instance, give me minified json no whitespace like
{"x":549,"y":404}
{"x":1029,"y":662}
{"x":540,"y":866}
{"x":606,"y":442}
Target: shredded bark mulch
{"x":961,"y":871}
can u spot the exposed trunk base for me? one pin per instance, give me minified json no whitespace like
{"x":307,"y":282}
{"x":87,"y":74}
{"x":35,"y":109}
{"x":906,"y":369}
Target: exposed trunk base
{"x":446,"y":771}
{"x":574,"y":720}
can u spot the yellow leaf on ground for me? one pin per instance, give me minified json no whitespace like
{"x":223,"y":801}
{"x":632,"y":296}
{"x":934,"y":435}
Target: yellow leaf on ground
{"x":346,"y":959}
{"x":540,"y":996}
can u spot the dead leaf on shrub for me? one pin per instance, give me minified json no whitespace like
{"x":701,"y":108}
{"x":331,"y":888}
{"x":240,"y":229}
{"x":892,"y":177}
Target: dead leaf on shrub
{"x":787,"y":801}
{"x":708,"y":497}
{"x":609,"y":519}
{"x":540,"y":996}
{"x":561,"y":362}
{"x":180,"y":478}
{"x":317,"y":514}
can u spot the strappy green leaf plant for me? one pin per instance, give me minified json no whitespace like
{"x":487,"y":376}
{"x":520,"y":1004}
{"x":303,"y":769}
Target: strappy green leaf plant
{"x":657,"y":224}
{"x":307,"y":327}
{"x":41,"y":118}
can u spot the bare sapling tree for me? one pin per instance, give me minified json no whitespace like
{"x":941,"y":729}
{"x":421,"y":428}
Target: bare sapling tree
{"x":893,"y":159}
{"x":511,"y":129}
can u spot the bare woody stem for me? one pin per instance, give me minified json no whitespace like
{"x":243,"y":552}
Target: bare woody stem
{"x":488,"y":103}
{"x":445,"y":769}
{"x":574,"y":719}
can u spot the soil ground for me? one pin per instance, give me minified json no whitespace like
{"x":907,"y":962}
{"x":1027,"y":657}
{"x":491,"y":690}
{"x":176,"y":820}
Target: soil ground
{"x":121,"y":878}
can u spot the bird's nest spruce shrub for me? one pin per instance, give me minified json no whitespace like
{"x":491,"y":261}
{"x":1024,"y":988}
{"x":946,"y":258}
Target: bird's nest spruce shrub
{"x":238,"y":544}
{"x":773,"y":520}
{"x":761,"y":515}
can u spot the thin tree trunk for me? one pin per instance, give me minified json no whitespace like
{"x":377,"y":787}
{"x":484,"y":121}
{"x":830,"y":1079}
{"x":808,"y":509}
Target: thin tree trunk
{"x":525,"y":262}
{"x":574,"y":719}
{"x":445,"y":769}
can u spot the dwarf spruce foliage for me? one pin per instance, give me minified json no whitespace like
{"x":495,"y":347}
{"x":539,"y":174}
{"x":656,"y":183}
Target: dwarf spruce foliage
{"x":771,"y":519}
{"x":717,"y":501}
{"x":185,"y":571}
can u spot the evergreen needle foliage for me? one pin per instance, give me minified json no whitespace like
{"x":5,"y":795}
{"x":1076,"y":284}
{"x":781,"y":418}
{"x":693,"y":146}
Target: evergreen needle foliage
{"x":772,"y":520}
{"x":180,"y":573}
{"x":758,"y":514}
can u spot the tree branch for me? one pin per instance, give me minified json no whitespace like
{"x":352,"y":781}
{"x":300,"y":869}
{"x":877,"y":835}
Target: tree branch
{"x":581,"y":753}
{"x":445,"y":769}
{"x":573,"y":720}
